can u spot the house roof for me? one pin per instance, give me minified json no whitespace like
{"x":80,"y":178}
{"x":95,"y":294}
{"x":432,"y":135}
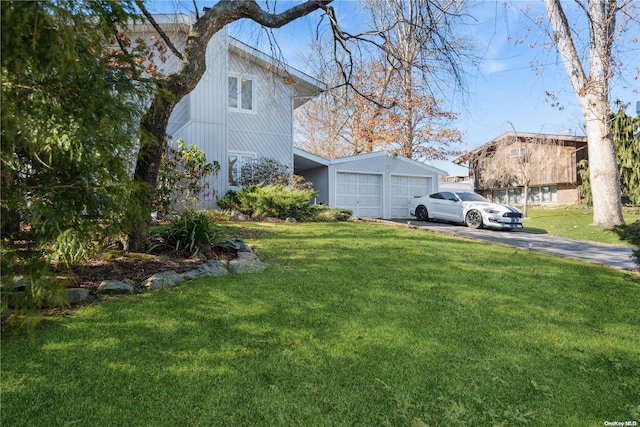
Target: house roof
{"x":305,"y":86}
{"x":304,"y":160}
{"x":542,"y":138}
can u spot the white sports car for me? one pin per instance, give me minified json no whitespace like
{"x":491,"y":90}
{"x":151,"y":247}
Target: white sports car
{"x":465,"y":207}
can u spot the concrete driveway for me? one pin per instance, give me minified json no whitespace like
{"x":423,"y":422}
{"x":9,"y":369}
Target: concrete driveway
{"x":617,"y":256}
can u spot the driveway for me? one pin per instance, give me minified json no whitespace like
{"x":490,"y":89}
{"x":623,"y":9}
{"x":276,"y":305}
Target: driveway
{"x":617,"y":256}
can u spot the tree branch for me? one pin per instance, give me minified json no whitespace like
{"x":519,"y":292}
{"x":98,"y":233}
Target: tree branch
{"x":252,"y":11}
{"x":159,"y":30}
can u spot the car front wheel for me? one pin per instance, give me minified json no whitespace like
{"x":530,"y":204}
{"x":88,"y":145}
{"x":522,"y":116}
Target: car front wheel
{"x":422,"y":214}
{"x":473,"y":219}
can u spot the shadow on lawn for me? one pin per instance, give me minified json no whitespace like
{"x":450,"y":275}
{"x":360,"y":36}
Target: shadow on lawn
{"x":367,"y":344}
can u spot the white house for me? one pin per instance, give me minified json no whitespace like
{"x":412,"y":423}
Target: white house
{"x":242,"y":109}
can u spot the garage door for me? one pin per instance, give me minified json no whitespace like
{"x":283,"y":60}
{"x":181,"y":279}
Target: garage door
{"x":362,"y":193}
{"x":403,"y":188}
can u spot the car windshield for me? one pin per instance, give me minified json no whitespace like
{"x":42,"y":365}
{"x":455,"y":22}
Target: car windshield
{"x":471,"y":197}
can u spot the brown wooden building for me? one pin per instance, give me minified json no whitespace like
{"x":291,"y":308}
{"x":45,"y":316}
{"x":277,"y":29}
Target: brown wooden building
{"x":546,"y":164}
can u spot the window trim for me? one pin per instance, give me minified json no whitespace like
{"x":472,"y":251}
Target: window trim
{"x":537,"y":195}
{"x":248,"y":156}
{"x":239,"y":78}
{"x":518,"y":151}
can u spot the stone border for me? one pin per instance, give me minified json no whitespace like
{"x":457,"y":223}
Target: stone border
{"x":246,"y":263}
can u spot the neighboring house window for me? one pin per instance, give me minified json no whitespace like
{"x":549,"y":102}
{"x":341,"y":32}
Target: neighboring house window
{"x":236,"y":161}
{"x":536,"y":195}
{"x":518,"y":152}
{"x":241,"y":93}
{"x":545,"y":194}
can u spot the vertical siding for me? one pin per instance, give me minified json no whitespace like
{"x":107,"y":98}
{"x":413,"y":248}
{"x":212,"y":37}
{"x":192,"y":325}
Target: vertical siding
{"x":320,"y":179}
{"x":206,"y":105}
{"x":267,"y":131}
{"x":208,"y":136}
{"x":180,"y":116}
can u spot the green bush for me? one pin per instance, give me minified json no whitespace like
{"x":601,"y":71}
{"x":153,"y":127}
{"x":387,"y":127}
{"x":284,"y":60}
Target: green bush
{"x":181,"y":177}
{"x":322,"y":213}
{"x":27,"y":285}
{"x":273,"y":201}
{"x":631,"y":233}
{"x":192,"y":231}
{"x":229,"y":201}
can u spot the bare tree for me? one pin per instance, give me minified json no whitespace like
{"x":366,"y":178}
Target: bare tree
{"x":590,"y":76}
{"x":396,"y":107}
{"x":322,"y":125}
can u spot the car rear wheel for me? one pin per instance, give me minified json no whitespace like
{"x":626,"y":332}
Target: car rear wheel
{"x":422,"y":214}
{"x":473,"y":219}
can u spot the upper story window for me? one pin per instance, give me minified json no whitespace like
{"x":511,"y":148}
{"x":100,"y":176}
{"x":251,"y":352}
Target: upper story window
{"x":241,"y":93}
{"x":518,"y":152}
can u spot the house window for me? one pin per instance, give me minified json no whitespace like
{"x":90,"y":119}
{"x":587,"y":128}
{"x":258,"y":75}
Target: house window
{"x":500,"y":196}
{"x":536,"y":195}
{"x":241,"y":93}
{"x":236,"y":161}
{"x":545,"y":194}
{"x":518,"y":151}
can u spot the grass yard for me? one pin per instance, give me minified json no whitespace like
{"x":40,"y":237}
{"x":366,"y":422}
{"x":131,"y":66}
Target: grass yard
{"x":575,"y":223}
{"x":354,"y":324}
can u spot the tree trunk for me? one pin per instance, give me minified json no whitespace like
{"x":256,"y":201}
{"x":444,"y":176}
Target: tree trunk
{"x":603,"y":166}
{"x":152,"y":146}
{"x":593,"y":95}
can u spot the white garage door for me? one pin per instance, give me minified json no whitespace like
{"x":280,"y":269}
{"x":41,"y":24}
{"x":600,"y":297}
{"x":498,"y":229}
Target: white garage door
{"x":361,"y":193}
{"x":403,"y":188}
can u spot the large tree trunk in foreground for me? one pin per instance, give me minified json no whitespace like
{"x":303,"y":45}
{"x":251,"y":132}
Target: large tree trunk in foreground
{"x":593,"y":96}
{"x":172,"y":89}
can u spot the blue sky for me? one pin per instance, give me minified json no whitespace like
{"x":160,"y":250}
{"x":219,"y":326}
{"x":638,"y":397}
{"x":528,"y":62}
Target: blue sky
{"x":503,"y":93}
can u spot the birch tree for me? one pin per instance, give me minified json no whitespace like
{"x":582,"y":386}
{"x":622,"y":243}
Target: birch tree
{"x":590,"y":76}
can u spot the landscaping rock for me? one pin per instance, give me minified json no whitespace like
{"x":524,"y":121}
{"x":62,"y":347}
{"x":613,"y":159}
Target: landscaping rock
{"x":211,"y":268}
{"x":237,"y":216}
{"x":114,"y":287}
{"x":166,"y":279}
{"x":76,"y":295}
{"x":246,"y":263}
{"x":233,"y":246}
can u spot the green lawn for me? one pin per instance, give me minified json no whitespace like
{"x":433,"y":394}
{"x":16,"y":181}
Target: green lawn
{"x":354,"y":324}
{"x":575,"y":223}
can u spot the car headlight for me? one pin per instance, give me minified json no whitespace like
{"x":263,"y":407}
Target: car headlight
{"x":491,"y":211}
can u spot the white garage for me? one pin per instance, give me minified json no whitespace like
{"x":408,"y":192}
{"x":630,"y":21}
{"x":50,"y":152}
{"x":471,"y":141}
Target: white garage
{"x":404,"y":187}
{"x":374,"y":185}
{"x":360,"y":192}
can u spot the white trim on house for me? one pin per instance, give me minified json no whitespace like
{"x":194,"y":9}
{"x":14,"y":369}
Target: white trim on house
{"x":305,"y":86}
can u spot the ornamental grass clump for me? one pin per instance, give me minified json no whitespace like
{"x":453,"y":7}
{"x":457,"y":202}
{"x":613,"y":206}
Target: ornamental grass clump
{"x":193,"y":231}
